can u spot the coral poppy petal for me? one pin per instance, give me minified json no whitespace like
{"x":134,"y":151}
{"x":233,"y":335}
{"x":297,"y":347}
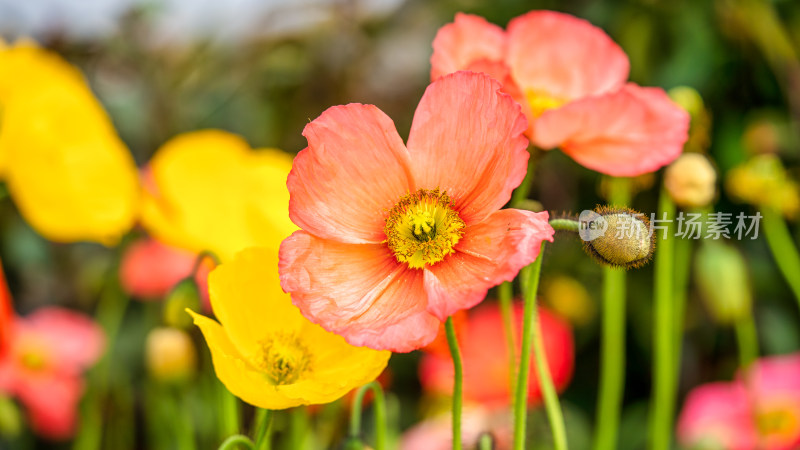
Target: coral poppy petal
{"x":358,"y":291}
{"x":719,"y":413}
{"x":468,"y":39}
{"x":490,"y":252}
{"x":467,"y":139}
{"x":564,"y":56}
{"x":627,"y":133}
{"x":74,"y":340}
{"x":51,"y":399}
{"x":354,"y":170}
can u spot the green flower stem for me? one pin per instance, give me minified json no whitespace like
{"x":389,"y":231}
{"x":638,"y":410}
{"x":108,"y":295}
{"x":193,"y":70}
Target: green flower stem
{"x":612,"y":356}
{"x":747,"y":339}
{"x":520,"y":194}
{"x":379,"y":404}
{"x":683,"y":265}
{"x":237,"y":441}
{"x":664,"y":388}
{"x":532,"y":337}
{"x":263,"y":431}
{"x":458,"y":376}
{"x":565,"y":225}
{"x":485,"y":442}
{"x":229,"y":407}
{"x":504,"y":296}
{"x":612,"y":360}
{"x":783,"y":249}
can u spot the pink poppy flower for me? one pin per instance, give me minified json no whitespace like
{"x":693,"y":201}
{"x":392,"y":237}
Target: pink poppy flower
{"x":485,"y":357}
{"x":436,"y":433}
{"x":150,"y":269}
{"x":396,"y":238}
{"x":759,"y":409}
{"x":48,"y":351}
{"x":570,"y":79}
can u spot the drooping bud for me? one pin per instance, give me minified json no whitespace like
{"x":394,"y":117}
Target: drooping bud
{"x":617,"y":236}
{"x":170,"y":354}
{"x":184,"y":295}
{"x":722,"y":277}
{"x":691,"y":181}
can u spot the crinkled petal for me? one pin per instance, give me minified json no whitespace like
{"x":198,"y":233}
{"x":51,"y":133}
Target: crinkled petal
{"x":247,"y":299}
{"x":490,"y":252}
{"x":630,"y":132}
{"x":469,"y":39}
{"x":563,"y":56}
{"x":358,"y":291}
{"x":207,"y":190}
{"x":467,"y":139}
{"x":72,"y":340}
{"x":236,"y":374}
{"x":352,"y":173}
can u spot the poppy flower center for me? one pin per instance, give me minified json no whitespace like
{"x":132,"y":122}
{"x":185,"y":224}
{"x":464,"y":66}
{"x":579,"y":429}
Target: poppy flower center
{"x":283,"y":358}
{"x":781,"y":422}
{"x":541,"y":101}
{"x":423,"y":228}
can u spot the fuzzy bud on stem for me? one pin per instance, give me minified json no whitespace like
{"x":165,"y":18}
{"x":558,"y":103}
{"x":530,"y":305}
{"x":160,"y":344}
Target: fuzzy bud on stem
{"x":617,"y":236}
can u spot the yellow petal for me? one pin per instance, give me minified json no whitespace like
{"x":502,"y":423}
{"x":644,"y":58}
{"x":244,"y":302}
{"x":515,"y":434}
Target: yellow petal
{"x":210,"y":191}
{"x":236,"y":374}
{"x":66,"y":169}
{"x":247,"y":299}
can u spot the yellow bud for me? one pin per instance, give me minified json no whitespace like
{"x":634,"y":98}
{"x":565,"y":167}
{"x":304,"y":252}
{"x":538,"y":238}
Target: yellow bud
{"x":691,"y":181}
{"x":170,"y":354}
{"x":618,"y":237}
{"x":570,"y":299}
{"x":10,"y":419}
{"x":688,"y":98}
{"x":722,"y":278}
{"x":762,"y":181}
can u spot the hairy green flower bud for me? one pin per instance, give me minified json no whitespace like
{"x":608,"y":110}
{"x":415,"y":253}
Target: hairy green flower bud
{"x":618,"y":237}
{"x":184,"y":295}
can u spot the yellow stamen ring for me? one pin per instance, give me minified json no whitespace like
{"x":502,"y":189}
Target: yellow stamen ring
{"x":423,"y":228}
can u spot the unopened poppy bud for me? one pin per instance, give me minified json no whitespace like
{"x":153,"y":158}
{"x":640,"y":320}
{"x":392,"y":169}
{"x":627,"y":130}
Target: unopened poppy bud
{"x":722,"y":277}
{"x":618,"y":237}
{"x":170,"y":354}
{"x":10,"y":420}
{"x":185,"y":295}
{"x":691,"y":181}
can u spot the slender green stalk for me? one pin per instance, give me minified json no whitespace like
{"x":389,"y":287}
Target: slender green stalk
{"x":663,"y":397}
{"x":612,"y":360}
{"x":612,"y":357}
{"x":747,"y":339}
{"x":379,"y":404}
{"x":520,"y":194}
{"x":458,"y":375}
{"x":229,"y":408}
{"x":783,"y":249}
{"x":532,"y":338}
{"x":504,"y":295}
{"x":565,"y":225}
{"x":235,"y":441}
{"x":485,"y":442}
{"x":683,"y":265}
{"x":263,"y":431}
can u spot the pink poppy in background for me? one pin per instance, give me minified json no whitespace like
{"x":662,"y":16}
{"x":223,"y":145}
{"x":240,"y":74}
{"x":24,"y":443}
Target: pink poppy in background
{"x":759,"y":409}
{"x":43,"y":367}
{"x":570,"y":79}
{"x":436,"y":433}
{"x":486,"y":361}
{"x":6,"y":313}
{"x":397,"y":238}
{"x":150,"y":269}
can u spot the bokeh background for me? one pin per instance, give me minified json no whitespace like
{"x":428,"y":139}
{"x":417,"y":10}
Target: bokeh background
{"x":264,"y":69}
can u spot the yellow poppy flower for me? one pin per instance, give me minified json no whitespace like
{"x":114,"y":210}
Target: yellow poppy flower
{"x":265,"y":352}
{"x":66,"y":169}
{"x":207,"y":190}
